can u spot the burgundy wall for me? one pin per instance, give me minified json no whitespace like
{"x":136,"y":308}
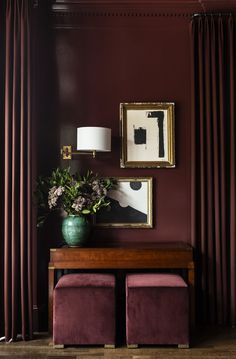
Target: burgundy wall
{"x":93,"y":56}
{"x":106,"y":58}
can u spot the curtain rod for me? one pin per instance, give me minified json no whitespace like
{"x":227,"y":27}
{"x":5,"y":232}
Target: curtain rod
{"x":214,"y":14}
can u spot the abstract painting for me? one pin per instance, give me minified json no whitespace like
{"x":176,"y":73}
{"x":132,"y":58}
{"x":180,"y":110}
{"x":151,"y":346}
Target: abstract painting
{"x":130,"y":204}
{"x":147,"y":131}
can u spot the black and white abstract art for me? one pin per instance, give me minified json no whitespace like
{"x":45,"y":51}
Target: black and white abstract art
{"x":147,"y":134}
{"x":130,"y":204}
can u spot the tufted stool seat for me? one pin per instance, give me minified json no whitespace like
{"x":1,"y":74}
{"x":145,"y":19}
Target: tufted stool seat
{"x":157,"y":310}
{"x":84,"y":310}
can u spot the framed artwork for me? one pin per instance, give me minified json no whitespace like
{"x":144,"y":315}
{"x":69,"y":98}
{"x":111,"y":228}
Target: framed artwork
{"x":130,"y":204}
{"x":147,"y":131}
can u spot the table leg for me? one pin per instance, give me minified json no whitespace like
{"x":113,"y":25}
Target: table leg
{"x":191,"y":282}
{"x":51,"y":283}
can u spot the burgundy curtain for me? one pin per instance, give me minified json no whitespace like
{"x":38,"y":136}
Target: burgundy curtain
{"x":16,"y":174}
{"x":213,"y":165}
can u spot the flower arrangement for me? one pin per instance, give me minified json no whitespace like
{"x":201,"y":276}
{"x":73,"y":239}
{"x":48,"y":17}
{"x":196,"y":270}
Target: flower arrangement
{"x":75,"y":194}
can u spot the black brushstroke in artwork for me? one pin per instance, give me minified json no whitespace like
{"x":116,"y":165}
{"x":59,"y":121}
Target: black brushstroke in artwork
{"x":118,"y":214}
{"x":160,"y":118}
{"x":135,"y":185}
{"x":140,"y":136}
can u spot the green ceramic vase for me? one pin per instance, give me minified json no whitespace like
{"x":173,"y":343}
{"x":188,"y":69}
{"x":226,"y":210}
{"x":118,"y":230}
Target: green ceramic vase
{"x":75,"y":230}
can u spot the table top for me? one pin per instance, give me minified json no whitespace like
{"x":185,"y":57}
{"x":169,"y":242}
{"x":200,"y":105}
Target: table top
{"x":132,"y":245}
{"x":128,"y":255}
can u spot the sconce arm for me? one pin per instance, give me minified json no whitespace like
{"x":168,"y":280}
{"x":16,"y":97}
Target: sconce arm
{"x":67,"y":152}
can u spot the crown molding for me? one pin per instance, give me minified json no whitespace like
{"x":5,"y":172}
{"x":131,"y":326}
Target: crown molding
{"x":126,"y":2}
{"x":138,"y":7}
{"x":126,"y":6}
{"x":218,"y":5}
{"x":185,"y":5}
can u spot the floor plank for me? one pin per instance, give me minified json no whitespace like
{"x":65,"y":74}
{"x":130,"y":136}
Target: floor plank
{"x":210,"y":343}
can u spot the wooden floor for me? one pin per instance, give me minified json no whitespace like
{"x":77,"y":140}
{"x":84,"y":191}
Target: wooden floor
{"x":214,"y":343}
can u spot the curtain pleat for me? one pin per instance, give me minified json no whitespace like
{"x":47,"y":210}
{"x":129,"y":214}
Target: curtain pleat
{"x":213,"y":165}
{"x":2,"y":128}
{"x":17,"y":258}
{"x":232,"y":161}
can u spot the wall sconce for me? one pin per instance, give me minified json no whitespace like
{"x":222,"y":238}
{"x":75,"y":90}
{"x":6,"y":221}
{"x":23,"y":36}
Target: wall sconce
{"x":89,"y":141}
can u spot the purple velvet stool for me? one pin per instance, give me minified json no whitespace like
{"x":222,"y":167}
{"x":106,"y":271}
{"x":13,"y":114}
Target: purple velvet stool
{"x":84,"y":310}
{"x":157,"y":310}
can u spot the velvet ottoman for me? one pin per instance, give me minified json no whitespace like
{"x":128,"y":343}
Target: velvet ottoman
{"x":157,"y":310}
{"x":84,"y":310}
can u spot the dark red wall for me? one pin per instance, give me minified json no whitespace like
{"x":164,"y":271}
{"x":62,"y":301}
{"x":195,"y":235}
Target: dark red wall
{"x":93,"y":55}
{"x":120,"y":55}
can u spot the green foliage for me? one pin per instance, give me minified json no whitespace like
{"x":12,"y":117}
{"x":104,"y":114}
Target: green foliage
{"x":77,"y":194}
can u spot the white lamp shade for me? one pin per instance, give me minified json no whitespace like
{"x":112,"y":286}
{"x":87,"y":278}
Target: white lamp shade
{"x":94,"y":139}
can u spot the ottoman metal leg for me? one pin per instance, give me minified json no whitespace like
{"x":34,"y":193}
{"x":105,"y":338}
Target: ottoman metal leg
{"x":58,"y":346}
{"x":183,"y":346}
{"x":132,"y":346}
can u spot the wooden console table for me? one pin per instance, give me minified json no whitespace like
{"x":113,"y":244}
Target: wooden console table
{"x":130,"y":256}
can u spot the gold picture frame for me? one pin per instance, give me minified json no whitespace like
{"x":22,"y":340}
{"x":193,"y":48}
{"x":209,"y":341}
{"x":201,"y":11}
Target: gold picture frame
{"x":147,"y":132}
{"x":131,"y":204}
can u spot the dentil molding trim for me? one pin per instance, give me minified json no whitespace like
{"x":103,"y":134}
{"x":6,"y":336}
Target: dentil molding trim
{"x":132,"y":8}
